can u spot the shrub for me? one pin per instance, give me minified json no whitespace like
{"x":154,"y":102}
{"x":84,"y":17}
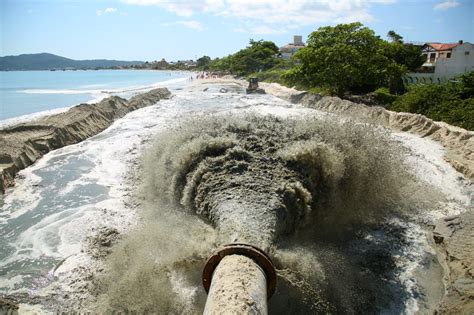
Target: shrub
{"x":451,"y":102}
{"x":273,"y":75}
{"x":383,"y":96}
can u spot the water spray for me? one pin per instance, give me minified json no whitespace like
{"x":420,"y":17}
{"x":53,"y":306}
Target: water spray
{"x":257,"y":183}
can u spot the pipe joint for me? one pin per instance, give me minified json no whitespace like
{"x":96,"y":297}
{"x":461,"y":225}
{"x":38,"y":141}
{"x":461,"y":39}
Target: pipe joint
{"x":250,"y":251}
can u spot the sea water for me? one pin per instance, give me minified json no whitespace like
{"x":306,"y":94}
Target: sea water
{"x":27,"y":92}
{"x":73,"y":192}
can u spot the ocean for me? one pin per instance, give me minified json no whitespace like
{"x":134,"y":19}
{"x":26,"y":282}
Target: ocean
{"x":62,"y":208}
{"x":28,"y":92}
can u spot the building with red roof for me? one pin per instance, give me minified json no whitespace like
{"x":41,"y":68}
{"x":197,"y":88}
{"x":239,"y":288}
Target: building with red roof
{"x":444,"y":61}
{"x":435,"y":51}
{"x":443,"y":47}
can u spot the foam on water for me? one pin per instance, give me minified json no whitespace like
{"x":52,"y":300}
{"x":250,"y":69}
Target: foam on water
{"x":100,"y":163}
{"x":426,"y":159}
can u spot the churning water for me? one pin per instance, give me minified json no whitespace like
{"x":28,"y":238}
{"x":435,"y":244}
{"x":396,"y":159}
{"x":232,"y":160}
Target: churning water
{"x":125,"y":220}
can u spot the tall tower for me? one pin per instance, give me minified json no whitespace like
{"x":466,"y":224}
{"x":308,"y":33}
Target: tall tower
{"x":298,"y":40}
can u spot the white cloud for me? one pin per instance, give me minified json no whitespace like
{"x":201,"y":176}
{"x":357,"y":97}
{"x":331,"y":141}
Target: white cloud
{"x":182,"y":8}
{"x":356,"y":16}
{"x":195,"y":25}
{"x":265,"y":30}
{"x":446,"y":5}
{"x":110,"y":10}
{"x":273,"y":16}
{"x":106,"y":11}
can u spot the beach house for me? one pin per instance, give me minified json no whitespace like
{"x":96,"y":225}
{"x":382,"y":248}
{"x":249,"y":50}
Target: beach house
{"x":443,"y":62}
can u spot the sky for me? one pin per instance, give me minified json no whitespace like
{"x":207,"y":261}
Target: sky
{"x":150,"y":30}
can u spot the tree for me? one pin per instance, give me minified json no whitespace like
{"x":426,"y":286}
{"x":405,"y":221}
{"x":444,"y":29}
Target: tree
{"x":351,"y":58}
{"x":258,"y":56}
{"x":203,"y":62}
{"x":261,"y":44}
{"x":394,"y":37}
{"x":220,"y":64}
{"x":346,"y":57}
{"x":404,"y":58}
{"x":404,"y":54}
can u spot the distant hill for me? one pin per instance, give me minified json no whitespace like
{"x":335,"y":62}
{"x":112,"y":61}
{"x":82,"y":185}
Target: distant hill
{"x":45,"y":61}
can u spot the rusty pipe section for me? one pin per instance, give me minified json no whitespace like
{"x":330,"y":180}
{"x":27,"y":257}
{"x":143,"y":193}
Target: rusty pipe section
{"x":239,"y":279}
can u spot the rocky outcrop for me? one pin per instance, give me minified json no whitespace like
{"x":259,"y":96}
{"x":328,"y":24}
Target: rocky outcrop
{"x":454,"y":237}
{"x":458,"y":142}
{"x":21,"y":145}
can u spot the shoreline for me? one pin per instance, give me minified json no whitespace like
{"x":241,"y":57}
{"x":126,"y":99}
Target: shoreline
{"x":24,"y":143}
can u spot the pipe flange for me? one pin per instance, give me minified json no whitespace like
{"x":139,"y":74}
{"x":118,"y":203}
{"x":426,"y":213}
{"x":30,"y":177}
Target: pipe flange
{"x":250,"y":251}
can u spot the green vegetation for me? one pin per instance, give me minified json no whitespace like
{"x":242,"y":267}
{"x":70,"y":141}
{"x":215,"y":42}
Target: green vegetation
{"x":275,"y":74}
{"x":451,"y":102}
{"x":350,"y":59}
{"x":258,"y":56}
{"x":343,"y":58}
{"x":347,"y":58}
{"x":394,"y":37}
{"x":383,"y":96}
{"x":203,"y":62}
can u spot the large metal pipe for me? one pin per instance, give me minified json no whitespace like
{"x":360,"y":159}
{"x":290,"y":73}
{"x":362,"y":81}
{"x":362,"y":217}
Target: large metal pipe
{"x":239,"y":279}
{"x":238,"y":286}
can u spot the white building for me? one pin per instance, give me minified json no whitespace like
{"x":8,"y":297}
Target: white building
{"x":443,"y":62}
{"x":460,"y":61}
